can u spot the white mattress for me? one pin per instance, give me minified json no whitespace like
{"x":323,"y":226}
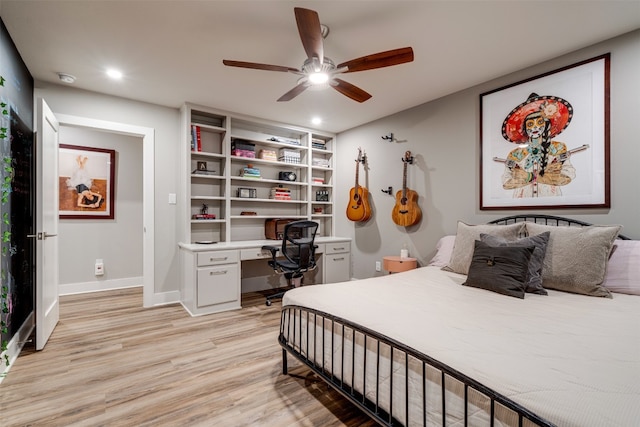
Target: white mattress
{"x":571,"y":359}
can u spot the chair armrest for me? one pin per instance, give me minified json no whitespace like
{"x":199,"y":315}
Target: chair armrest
{"x":272,"y":249}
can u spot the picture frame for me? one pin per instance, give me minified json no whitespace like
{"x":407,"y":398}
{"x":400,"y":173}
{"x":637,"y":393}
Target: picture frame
{"x":247,"y":193}
{"x":86,"y":184}
{"x":544,"y":141}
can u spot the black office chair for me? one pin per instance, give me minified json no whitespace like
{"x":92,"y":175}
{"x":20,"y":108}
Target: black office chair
{"x":299,"y":252}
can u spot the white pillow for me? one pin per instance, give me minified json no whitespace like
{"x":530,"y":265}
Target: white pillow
{"x":576,"y":257}
{"x":444,"y":249}
{"x":623,"y":270}
{"x":465,"y":242}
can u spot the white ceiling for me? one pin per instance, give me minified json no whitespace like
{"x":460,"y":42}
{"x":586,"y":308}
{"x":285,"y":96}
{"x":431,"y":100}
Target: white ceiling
{"x":171,"y":51}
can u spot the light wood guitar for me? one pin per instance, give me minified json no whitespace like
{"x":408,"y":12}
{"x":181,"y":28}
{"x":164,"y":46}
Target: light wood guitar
{"x":358,"y":208}
{"x":406,"y":212}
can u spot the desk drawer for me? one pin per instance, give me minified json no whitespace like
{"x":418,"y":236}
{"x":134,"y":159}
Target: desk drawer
{"x":337,"y":248}
{"x":218,"y":285}
{"x":255,"y":253}
{"x":217,"y":257}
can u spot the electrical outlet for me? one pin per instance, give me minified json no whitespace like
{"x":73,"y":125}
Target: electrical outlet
{"x":99,"y":268}
{"x":378,"y":267}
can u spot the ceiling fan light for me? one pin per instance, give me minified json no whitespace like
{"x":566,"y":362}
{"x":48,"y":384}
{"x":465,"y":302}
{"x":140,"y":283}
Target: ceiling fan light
{"x":318,"y":78}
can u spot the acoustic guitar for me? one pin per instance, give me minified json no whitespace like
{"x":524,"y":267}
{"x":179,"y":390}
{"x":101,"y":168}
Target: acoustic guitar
{"x":358,"y":208}
{"x":406,"y":212}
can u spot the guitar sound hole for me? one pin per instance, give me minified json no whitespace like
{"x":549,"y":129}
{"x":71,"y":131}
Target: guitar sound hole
{"x":403,"y":212}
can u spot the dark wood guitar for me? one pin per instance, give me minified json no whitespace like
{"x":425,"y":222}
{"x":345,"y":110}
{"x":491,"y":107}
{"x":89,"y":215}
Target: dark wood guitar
{"x":406,"y":212}
{"x":358,"y":208}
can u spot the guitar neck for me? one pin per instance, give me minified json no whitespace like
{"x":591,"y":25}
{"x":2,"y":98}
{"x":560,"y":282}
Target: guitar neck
{"x":404,"y":181}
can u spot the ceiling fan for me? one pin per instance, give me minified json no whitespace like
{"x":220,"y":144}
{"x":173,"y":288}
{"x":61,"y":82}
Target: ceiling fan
{"x":320,"y":70}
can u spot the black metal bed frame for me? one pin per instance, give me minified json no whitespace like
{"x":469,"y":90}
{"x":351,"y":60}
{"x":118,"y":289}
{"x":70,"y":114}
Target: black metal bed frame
{"x":291,"y":338}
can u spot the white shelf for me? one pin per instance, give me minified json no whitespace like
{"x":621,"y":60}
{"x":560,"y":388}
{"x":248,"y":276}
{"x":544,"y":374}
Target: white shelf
{"x":217,"y":131}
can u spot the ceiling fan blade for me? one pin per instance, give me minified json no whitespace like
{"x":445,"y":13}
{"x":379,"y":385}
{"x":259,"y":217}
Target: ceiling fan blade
{"x":257,"y":66}
{"x":352,"y":91}
{"x":294,"y":92}
{"x":310,"y":32}
{"x":379,"y":60}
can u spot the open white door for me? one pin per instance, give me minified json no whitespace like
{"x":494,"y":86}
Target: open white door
{"x":47,"y":306}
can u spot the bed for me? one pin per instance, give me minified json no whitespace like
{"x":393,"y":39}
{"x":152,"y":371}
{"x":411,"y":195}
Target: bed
{"x":428,"y":347}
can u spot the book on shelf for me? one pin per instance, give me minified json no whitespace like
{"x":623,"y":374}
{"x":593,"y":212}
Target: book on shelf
{"x":280,"y":193}
{"x":269,"y":155}
{"x":203,"y":172}
{"x":284,"y":140}
{"x":318,"y":143}
{"x":203,"y":216}
{"x":250,"y":172}
{"x":196,"y":138}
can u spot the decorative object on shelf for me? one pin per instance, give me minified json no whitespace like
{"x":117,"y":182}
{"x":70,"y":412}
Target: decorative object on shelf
{"x":389,"y":190}
{"x":318,"y":161}
{"x":287,"y":176}
{"x":548,"y":152}
{"x":358,"y":208}
{"x":284,"y":140}
{"x":319,"y":144}
{"x":243,"y":148}
{"x":322,"y":196}
{"x":268,"y":155}
{"x":204,"y":213}
{"x":274,"y":227}
{"x":88,"y":174}
{"x":320,"y":71}
{"x":247,"y":193}
{"x":250,"y":172}
{"x":289,"y":156}
{"x":318,"y":210}
{"x":248,"y":213}
{"x":201,"y":169}
{"x":406,"y":211}
{"x":318,"y":180}
{"x":280,"y":193}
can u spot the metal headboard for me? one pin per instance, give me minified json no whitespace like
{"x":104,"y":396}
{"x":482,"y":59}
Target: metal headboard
{"x":546,"y":220}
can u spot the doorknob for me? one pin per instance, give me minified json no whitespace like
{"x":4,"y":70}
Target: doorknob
{"x":41,"y":235}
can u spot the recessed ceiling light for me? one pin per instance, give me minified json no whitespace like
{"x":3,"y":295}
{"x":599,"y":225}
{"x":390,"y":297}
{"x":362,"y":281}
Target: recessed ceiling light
{"x":316,"y":120}
{"x":114,"y":74}
{"x":66,"y":78}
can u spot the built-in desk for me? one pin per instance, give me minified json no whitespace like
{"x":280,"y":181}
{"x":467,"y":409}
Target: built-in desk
{"x":211,"y":273}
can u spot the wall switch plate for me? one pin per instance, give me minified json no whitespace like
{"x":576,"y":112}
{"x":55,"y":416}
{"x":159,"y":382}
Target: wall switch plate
{"x":378,"y":267}
{"x":172,"y":198}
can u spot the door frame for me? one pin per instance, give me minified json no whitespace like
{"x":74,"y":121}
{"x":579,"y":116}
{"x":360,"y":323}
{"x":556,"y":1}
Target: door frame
{"x":148,"y":188}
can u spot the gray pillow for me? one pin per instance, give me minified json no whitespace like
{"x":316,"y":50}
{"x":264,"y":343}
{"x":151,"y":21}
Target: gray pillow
{"x":501,"y":269}
{"x":468,"y":234}
{"x":576,"y":258}
{"x":533,"y":283}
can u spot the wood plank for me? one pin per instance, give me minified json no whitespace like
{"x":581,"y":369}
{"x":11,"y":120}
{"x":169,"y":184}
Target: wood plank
{"x":112,"y":362}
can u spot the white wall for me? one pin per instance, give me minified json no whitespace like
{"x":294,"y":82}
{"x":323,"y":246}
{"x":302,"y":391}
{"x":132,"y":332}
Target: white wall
{"x":166,"y":124}
{"x":118,"y":241}
{"x":444,"y":137}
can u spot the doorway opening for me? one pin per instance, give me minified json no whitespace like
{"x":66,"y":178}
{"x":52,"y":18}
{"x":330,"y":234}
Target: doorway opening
{"x":146,"y":135}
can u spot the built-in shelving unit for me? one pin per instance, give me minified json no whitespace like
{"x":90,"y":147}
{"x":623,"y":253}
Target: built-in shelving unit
{"x":221,"y":181}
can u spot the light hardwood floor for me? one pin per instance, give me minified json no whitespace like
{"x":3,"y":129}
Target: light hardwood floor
{"x":111,"y":362}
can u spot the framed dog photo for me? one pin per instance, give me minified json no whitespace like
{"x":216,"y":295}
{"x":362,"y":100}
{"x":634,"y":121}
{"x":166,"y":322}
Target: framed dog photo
{"x":86,"y":182}
{"x":545,"y":141}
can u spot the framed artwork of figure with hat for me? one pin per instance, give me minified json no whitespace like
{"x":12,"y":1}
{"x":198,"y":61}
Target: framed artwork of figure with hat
{"x":545,"y":140}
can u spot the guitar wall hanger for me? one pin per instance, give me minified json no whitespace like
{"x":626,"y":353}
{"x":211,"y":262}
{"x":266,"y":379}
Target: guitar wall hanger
{"x":408,"y":159}
{"x":389,"y":190}
{"x":391,"y":138}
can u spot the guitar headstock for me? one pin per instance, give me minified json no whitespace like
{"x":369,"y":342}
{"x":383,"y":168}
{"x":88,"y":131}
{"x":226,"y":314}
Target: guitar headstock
{"x":408,"y":158}
{"x":361,"y":156}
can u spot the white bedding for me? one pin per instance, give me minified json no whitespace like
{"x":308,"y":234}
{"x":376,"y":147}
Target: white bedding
{"x":571,"y":359}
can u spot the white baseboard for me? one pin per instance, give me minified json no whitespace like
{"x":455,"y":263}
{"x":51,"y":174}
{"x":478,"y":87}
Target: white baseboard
{"x":15,"y":345}
{"x":99,"y":285}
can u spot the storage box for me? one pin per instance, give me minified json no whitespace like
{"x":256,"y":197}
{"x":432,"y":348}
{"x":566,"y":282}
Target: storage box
{"x":274,"y":228}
